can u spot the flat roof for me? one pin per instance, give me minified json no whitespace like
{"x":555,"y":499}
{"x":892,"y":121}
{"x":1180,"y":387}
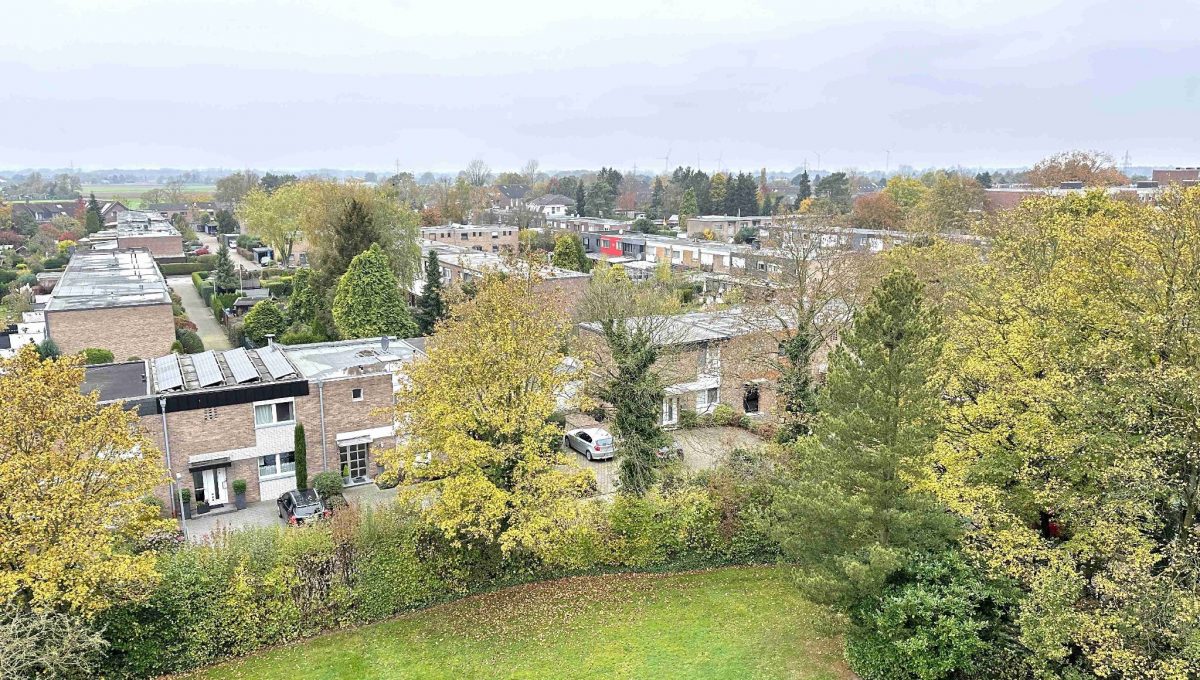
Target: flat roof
{"x":126,"y":380}
{"x":325,"y":360}
{"x":99,"y":279}
{"x":694,"y":327}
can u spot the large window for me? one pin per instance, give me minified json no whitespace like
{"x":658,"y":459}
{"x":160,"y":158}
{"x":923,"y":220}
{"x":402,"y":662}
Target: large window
{"x":670,"y":412}
{"x":353,"y":459}
{"x":273,"y":414}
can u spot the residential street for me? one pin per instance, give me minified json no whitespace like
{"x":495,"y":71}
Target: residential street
{"x":211,"y":332}
{"x":210,"y":240}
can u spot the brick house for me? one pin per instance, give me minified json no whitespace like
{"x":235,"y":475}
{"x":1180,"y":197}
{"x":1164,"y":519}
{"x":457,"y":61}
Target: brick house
{"x":721,"y":357}
{"x":460,"y":265}
{"x":111,"y":299}
{"x":224,"y":416}
{"x":140,"y":229}
{"x":725,"y":227}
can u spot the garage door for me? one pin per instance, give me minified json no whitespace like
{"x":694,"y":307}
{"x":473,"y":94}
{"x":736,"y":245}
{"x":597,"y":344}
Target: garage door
{"x":272,"y":489}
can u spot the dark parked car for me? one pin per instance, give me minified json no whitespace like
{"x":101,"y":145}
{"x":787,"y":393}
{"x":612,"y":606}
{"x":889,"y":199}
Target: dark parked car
{"x":297,"y":507}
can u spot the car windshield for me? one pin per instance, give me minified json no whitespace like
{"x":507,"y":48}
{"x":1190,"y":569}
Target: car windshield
{"x":306,"y":503}
{"x":607,"y":441}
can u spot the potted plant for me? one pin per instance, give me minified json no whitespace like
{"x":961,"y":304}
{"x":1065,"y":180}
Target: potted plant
{"x":202,"y":508}
{"x":239,"y":493}
{"x":185,"y":502}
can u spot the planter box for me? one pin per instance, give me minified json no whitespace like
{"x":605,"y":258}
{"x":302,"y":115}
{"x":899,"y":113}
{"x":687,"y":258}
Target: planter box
{"x":239,"y":501}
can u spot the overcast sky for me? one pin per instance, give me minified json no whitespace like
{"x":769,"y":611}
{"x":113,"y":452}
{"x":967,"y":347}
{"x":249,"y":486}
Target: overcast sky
{"x":432,"y":84}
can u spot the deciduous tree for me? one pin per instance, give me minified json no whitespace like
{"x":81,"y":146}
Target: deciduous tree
{"x":74,"y":475}
{"x":876,"y":211}
{"x":478,"y":408}
{"x":1093,"y":168}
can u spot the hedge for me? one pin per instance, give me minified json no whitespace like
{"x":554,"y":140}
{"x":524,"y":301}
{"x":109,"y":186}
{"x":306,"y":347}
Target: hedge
{"x":177,"y":268}
{"x":264,"y":586}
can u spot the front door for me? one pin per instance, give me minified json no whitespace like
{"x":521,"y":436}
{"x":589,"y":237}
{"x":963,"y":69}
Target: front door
{"x":214,"y":486}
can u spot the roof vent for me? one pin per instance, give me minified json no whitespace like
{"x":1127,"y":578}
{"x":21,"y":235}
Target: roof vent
{"x":384,"y":342}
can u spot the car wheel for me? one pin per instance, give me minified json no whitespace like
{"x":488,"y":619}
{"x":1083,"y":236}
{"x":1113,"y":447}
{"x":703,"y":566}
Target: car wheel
{"x":588,"y":454}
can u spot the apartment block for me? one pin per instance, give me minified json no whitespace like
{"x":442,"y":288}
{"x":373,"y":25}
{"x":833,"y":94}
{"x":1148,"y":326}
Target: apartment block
{"x":487,"y":239}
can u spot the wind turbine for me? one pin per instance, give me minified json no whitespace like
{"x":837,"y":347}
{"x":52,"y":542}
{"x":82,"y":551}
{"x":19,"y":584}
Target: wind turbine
{"x":666,"y":160}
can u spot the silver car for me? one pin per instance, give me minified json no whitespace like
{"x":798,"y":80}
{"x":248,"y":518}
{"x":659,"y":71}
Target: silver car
{"x":595,"y":443}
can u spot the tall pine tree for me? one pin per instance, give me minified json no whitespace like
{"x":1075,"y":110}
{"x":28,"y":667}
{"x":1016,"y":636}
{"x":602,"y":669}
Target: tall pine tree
{"x":851,"y":517}
{"x":94,"y":220}
{"x":431,"y":307}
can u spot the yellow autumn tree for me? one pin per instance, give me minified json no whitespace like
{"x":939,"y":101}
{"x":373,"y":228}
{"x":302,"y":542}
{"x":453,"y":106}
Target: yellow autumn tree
{"x":1072,"y":446}
{"x":73,"y":476}
{"x":475,"y":416}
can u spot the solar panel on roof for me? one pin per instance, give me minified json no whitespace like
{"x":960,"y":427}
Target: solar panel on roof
{"x":167,"y":375}
{"x":207,"y":370}
{"x":275,"y":363}
{"x":239,"y":363}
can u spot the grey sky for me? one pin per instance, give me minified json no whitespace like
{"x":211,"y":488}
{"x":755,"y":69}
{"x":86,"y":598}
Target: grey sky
{"x":362,"y":83}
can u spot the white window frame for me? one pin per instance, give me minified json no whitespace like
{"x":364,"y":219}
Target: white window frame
{"x":280,"y":469}
{"x":274,"y":405}
{"x":356,"y":391}
{"x":670,"y":410}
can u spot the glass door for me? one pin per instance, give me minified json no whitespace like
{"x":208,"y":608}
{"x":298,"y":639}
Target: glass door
{"x":353,"y":458}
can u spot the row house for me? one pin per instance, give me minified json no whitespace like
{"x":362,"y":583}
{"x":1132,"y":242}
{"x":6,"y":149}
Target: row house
{"x":725,"y":227}
{"x":488,"y":239}
{"x":460,"y":266}
{"x":111,"y":299}
{"x":723,"y":357}
{"x":706,"y":256}
{"x":140,"y":229}
{"x":224,"y":416}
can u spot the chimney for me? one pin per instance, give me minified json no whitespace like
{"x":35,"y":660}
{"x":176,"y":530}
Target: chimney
{"x":384,"y":342}
{"x":270,"y":339}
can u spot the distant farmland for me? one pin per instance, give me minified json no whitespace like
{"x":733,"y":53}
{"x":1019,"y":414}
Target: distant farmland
{"x":132,"y":192}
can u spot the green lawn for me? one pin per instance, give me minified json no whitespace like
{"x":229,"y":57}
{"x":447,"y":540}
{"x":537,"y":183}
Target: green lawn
{"x":728,"y":623}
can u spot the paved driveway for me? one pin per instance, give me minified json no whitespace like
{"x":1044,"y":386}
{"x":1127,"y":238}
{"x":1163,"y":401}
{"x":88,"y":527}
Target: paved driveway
{"x":266,"y":513}
{"x":702,"y":448}
{"x":211,"y":332}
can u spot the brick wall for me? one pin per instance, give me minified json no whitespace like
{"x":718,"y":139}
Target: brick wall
{"x":231,"y":429}
{"x":159,"y":246}
{"x":144,"y":331}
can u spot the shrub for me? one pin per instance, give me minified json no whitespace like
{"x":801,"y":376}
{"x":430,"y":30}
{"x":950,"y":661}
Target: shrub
{"x":280,"y":287}
{"x":185,"y":495}
{"x":181,"y":322}
{"x":47,"y":349}
{"x":209,"y":261}
{"x":95,"y":355}
{"x":688,"y":418}
{"x":723,"y":415}
{"x":264,"y":319}
{"x":239,"y":486}
{"x":177,"y":347}
{"x":189,"y":341}
{"x":328,"y":484}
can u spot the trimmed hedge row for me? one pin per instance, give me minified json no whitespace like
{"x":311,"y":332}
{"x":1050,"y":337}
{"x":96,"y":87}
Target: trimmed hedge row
{"x":177,"y":268}
{"x":270,"y":585}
